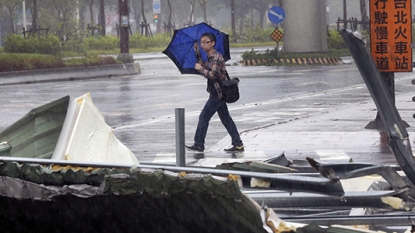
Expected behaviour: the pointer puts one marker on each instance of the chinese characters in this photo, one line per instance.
(391, 35)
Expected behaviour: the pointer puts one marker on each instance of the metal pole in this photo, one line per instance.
(392, 121)
(180, 150)
(278, 50)
(24, 15)
(344, 14)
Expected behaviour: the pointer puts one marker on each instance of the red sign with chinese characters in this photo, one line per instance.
(391, 35)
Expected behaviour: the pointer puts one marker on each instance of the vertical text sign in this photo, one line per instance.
(391, 35)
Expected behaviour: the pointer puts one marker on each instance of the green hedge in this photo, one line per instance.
(102, 43)
(135, 41)
(18, 61)
(76, 46)
(157, 41)
(335, 40)
(91, 61)
(42, 45)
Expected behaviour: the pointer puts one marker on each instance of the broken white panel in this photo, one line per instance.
(92, 140)
(67, 128)
(359, 184)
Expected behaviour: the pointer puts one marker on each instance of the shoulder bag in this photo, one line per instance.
(230, 89)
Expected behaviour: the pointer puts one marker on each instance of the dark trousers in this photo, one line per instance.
(212, 106)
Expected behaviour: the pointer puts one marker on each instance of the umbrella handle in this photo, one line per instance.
(197, 51)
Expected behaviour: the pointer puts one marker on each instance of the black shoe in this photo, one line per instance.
(195, 148)
(235, 149)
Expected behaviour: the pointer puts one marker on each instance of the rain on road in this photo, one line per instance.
(141, 108)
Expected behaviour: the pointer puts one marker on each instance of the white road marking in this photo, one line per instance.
(332, 155)
(165, 158)
(213, 161)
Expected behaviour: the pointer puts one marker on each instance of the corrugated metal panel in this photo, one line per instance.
(133, 200)
(35, 135)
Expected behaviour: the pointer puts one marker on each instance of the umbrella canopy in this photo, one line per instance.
(182, 53)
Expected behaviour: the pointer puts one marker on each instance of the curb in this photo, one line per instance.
(294, 61)
(65, 74)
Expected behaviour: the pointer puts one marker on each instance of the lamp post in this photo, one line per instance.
(24, 15)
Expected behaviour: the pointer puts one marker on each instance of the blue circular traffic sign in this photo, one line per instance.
(156, 6)
(276, 14)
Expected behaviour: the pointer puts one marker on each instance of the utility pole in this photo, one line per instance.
(124, 22)
(102, 17)
(34, 15)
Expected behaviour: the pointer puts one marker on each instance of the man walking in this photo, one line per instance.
(214, 71)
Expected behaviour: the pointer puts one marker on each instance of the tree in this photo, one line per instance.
(147, 32)
(169, 22)
(262, 7)
(102, 17)
(192, 11)
(91, 14)
(58, 16)
(238, 11)
(34, 12)
(82, 5)
(135, 4)
(365, 17)
(177, 11)
(10, 7)
(203, 6)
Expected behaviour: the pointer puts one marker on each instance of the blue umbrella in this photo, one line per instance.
(181, 48)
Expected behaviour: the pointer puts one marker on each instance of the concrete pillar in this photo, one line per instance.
(305, 27)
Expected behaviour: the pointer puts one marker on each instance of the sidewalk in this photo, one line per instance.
(338, 135)
(67, 74)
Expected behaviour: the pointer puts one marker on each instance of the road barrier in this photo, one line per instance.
(294, 61)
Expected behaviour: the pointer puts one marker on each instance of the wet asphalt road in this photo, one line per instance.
(141, 108)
